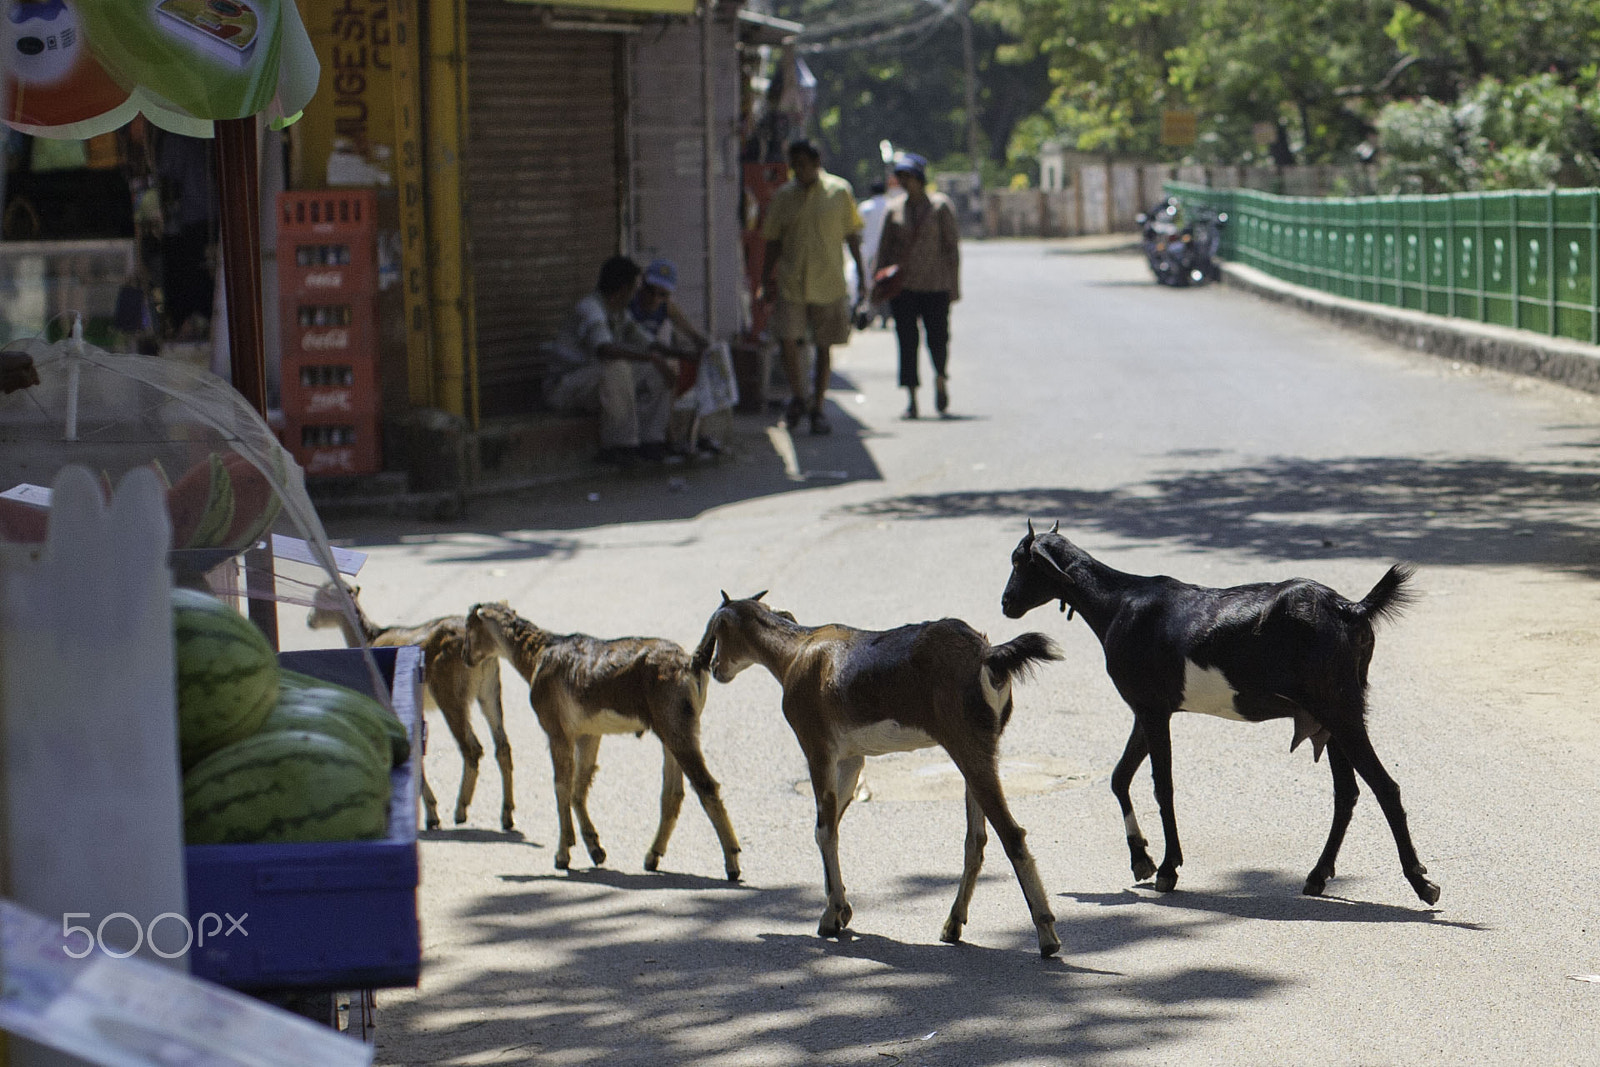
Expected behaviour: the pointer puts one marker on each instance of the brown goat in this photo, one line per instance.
(583, 688)
(452, 684)
(849, 694)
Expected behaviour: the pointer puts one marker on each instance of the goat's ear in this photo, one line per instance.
(1049, 563)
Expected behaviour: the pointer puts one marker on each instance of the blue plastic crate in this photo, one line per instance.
(327, 915)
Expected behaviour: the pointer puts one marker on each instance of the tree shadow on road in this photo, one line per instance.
(1424, 511)
(585, 971)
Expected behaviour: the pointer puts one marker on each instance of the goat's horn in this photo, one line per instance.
(1055, 527)
(759, 595)
(725, 596)
(1030, 526)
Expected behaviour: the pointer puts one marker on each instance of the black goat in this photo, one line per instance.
(1293, 649)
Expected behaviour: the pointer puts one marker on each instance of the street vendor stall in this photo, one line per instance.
(139, 498)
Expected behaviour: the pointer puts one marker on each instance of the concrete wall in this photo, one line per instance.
(1104, 197)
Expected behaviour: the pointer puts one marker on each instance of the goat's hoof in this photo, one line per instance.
(1426, 890)
(597, 855)
(461, 817)
(733, 874)
(1144, 869)
(431, 823)
(1049, 943)
(951, 934)
(506, 823)
(1314, 887)
(563, 863)
(1166, 881)
(652, 861)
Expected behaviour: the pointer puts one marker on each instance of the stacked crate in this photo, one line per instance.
(328, 286)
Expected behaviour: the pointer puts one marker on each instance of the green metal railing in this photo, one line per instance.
(1530, 261)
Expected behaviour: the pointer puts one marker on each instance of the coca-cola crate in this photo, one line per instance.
(334, 447)
(327, 243)
(329, 387)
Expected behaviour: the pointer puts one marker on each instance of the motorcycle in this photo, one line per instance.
(1181, 251)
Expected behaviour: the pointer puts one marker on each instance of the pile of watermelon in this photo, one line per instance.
(270, 755)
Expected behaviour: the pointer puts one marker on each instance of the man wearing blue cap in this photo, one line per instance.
(922, 237)
(808, 224)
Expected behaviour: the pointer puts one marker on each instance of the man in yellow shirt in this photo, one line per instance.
(809, 222)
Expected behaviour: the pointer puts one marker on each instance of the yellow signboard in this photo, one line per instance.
(348, 133)
(648, 7)
(1178, 127)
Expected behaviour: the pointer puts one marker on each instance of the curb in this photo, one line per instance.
(1570, 363)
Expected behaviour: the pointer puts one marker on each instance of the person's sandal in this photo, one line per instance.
(795, 411)
(819, 424)
(911, 408)
(941, 395)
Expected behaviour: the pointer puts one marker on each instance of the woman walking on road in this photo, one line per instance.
(922, 238)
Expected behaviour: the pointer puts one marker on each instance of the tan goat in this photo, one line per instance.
(452, 684)
(849, 694)
(583, 688)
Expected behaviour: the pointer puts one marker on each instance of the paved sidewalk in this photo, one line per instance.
(1555, 359)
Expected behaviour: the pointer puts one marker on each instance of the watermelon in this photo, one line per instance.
(201, 504)
(227, 675)
(288, 786)
(255, 503)
(387, 732)
(306, 710)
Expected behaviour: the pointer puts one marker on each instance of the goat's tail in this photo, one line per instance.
(1390, 596)
(1018, 656)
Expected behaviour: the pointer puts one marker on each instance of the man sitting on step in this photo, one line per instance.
(604, 362)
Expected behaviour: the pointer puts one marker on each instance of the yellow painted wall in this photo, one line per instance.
(353, 111)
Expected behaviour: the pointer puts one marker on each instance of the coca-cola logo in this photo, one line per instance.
(327, 460)
(322, 342)
(333, 400)
(325, 279)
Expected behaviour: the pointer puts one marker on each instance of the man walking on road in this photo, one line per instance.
(808, 222)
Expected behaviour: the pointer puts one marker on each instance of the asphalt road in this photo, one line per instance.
(1204, 434)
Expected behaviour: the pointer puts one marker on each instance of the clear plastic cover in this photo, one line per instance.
(242, 522)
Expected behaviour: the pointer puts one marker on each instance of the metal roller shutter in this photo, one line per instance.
(542, 184)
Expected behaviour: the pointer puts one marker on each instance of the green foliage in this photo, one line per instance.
(1457, 94)
(1531, 133)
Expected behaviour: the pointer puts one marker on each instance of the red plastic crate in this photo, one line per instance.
(327, 242)
(318, 388)
(334, 447)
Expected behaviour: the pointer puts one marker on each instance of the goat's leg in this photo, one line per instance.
(1157, 729)
(1345, 793)
(494, 714)
(977, 837)
(824, 785)
(1358, 747)
(564, 767)
(454, 707)
(680, 736)
(671, 804)
(588, 756)
(430, 806)
(983, 783)
(1144, 868)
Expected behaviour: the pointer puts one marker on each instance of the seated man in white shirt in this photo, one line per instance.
(605, 362)
(707, 389)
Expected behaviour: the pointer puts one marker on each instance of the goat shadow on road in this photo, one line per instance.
(1421, 510)
(1267, 896)
(707, 973)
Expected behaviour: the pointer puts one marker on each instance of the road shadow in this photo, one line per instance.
(739, 977)
(764, 459)
(1268, 896)
(1423, 511)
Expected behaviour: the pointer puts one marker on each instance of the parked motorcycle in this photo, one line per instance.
(1181, 246)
